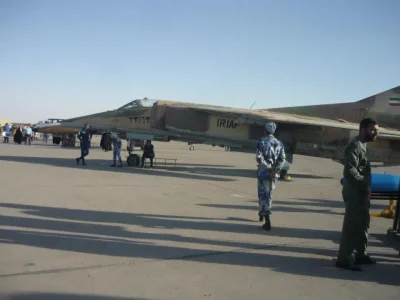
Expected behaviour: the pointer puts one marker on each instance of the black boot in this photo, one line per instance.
(114, 164)
(83, 162)
(365, 260)
(120, 163)
(267, 225)
(261, 216)
(78, 160)
(346, 266)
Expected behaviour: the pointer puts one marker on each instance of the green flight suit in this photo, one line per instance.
(357, 173)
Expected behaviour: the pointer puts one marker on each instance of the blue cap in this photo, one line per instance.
(270, 127)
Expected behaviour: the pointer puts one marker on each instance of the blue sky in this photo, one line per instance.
(69, 58)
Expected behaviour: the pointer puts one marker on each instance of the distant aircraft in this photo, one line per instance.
(52, 125)
(60, 134)
(240, 129)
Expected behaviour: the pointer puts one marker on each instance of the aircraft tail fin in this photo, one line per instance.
(384, 107)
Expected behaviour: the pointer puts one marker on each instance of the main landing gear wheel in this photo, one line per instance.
(133, 160)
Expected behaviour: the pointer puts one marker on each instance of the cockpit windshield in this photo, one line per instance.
(139, 103)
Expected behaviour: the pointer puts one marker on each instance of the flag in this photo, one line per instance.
(394, 101)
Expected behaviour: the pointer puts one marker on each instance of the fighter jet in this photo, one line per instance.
(383, 107)
(240, 129)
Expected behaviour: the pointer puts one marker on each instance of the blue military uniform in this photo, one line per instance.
(117, 143)
(270, 158)
(84, 137)
(7, 130)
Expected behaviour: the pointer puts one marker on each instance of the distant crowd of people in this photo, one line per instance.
(21, 134)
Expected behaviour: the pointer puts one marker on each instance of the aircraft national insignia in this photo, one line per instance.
(394, 101)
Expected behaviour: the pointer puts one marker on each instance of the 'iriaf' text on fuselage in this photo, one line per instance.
(223, 123)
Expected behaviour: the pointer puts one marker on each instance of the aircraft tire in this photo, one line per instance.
(133, 160)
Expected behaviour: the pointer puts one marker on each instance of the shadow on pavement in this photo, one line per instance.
(116, 240)
(141, 220)
(287, 207)
(389, 241)
(63, 296)
(323, 203)
(234, 172)
(103, 165)
(192, 171)
(336, 203)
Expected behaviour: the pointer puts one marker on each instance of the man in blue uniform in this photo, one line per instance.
(271, 159)
(117, 143)
(7, 130)
(84, 137)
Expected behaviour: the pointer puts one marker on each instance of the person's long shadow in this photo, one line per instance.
(390, 241)
(335, 203)
(323, 203)
(54, 146)
(63, 296)
(191, 171)
(291, 264)
(282, 208)
(142, 220)
(235, 172)
(115, 240)
(103, 165)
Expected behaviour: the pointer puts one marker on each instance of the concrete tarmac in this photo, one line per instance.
(184, 232)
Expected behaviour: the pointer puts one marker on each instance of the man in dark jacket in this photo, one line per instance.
(106, 141)
(84, 138)
(148, 152)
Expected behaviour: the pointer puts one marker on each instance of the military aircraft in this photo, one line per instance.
(60, 134)
(240, 129)
(48, 126)
(383, 107)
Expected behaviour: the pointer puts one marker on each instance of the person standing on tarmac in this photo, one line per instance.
(7, 131)
(117, 143)
(270, 158)
(84, 137)
(148, 152)
(356, 194)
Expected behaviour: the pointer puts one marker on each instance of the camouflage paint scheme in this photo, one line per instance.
(238, 128)
(379, 107)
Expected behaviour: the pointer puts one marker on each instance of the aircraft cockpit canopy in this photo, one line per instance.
(139, 103)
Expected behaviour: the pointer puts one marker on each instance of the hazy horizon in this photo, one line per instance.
(67, 59)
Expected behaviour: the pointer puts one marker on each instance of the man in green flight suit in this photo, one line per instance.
(356, 195)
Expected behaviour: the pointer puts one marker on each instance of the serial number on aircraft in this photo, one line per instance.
(225, 123)
(139, 120)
